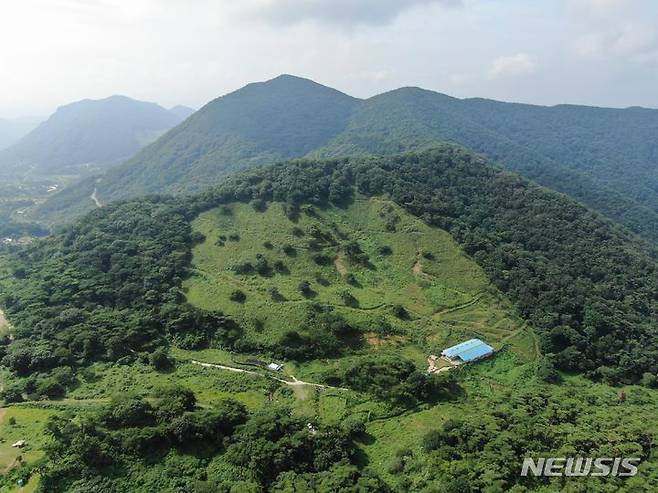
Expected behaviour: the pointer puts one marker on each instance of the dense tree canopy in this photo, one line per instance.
(109, 286)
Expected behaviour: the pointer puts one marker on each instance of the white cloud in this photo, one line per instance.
(597, 7)
(633, 41)
(519, 65)
(344, 13)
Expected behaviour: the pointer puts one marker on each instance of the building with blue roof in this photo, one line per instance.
(468, 351)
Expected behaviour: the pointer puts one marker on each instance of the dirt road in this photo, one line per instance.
(293, 383)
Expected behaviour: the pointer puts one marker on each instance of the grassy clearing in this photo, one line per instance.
(446, 295)
(22, 423)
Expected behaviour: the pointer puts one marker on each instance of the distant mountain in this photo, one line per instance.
(182, 112)
(605, 158)
(12, 130)
(263, 122)
(87, 135)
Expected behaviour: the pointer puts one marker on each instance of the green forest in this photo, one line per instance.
(114, 317)
(602, 157)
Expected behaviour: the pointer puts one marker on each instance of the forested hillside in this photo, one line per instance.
(588, 287)
(605, 158)
(264, 122)
(86, 136)
(126, 311)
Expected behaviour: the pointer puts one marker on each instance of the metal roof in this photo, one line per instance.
(469, 350)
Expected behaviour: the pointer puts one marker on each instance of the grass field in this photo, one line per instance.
(446, 294)
(22, 423)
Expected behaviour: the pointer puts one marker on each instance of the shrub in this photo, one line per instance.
(348, 298)
(280, 267)
(432, 440)
(306, 290)
(259, 205)
(238, 296)
(289, 250)
(12, 393)
(262, 266)
(243, 268)
(353, 425)
(385, 250)
(160, 360)
(400, 312)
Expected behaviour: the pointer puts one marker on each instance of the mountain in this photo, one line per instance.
(87, 135)
(262, 122)
(12, 130)
(152, 324)
(605, 158)
(182, 112)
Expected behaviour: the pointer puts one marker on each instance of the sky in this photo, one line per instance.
(594, 52)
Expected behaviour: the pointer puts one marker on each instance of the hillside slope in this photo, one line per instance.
(263, 122)
(605, 158)
(12, 130)
(348, 272)
(411, 288)
(87, 136)
(588, 287)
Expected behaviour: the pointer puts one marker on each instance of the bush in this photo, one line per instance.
(238, 296)
(275, 294)
(353, 425)
(547, 372)
(160, 360)
(280, 267)
(385, 250)
(50, 387)
(12, 393)
(306, 290)
(262, 266)
(400, 312)
(289, 250)
(433, 440)
(259, 205)
(348, 299)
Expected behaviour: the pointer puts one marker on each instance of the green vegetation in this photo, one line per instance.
(444, 299)
(601, 157)
(130, 328)
(85, 137)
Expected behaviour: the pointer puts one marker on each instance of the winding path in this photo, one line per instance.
(94, 197)
(294, 382)
(3, 321)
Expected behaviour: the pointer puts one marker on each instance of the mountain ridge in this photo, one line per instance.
(90, 133)
(573, 149)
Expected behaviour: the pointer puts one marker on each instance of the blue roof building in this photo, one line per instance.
(465, 352)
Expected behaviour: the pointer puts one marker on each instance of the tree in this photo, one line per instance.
(160, 360)
(306, 290)
(238, 296)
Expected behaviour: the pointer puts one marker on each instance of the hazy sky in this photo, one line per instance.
(600, 52)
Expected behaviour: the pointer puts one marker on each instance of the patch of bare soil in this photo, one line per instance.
(340, 266)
